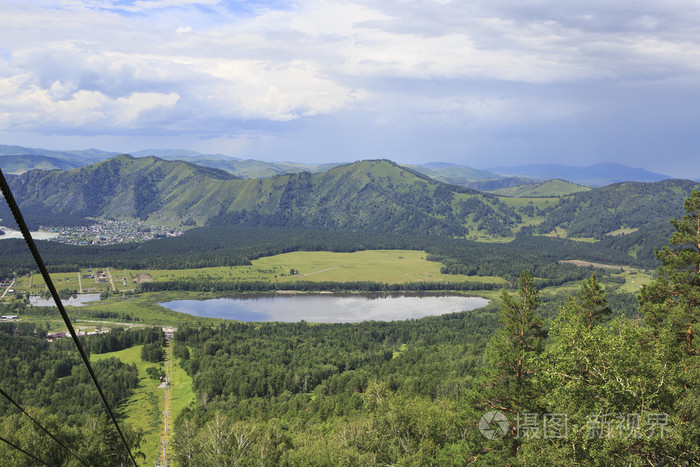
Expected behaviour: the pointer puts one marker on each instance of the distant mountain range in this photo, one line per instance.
(80, 157)
(595, 175)
(374, 195)
(17, 159)
(368, 195)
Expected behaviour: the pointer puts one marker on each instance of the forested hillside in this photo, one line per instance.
(367, 196)
(50, 380)
(596, 213)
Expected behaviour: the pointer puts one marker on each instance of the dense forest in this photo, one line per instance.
(238, 245)
(49, 380)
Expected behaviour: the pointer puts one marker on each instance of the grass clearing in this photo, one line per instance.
(623, 231)
(634, 280)
(389, 266)
(181, 387)
(143, 409)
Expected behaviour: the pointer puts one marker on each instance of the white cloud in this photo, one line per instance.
(26, 105)
(209, 67)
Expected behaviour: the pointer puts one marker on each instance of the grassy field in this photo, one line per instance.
(144, 408)
(634, 280)
(390, 266)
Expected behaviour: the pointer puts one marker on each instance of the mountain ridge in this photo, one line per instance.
(374, 195)
(370, 195)
(596, 175)
(448, 172)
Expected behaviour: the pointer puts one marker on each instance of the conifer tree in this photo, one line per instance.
(592, 302)
(507, 384)
(671, 307)
(672, 302)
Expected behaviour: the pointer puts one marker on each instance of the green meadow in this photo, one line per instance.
(143, 410)
(388, 266)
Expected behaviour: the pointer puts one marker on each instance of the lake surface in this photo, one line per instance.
(326, 308)
(78, 300)
(40, 235)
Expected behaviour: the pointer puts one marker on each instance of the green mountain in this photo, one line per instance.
(250, 168)
(498, 183)
(549, 188)
(368, 195)
(376, 195)
(121, 187)
(618, 208)
(23, 163)
(452, 173)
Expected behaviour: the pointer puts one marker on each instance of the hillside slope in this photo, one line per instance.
(121, 187)
(367, 195)
(633, 205)
(375, 195)
(554, 187)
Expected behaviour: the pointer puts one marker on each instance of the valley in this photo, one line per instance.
(406, 392)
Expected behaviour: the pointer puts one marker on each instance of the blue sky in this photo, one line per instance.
(481, 83)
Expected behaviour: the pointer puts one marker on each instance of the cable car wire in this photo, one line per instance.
(6, 396)
(25, 452)
(10, 200)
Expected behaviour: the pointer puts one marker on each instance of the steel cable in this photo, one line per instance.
(9, 199)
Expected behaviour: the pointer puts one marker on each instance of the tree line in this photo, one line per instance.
(50, 381)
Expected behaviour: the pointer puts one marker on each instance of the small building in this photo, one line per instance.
(9, 318)
(55, 335)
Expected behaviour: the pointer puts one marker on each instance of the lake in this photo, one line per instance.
(320, 308)
(40, 235)
(78, 300)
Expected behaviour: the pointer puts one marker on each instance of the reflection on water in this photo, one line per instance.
(326, 308)
(12, 233)
(78, 300)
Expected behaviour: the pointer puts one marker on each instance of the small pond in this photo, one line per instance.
(320, 308)
(78, 300)
(12, 233)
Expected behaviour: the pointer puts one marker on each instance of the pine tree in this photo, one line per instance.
(671, 307)
(672, 301)
(592, 302)
(507, 385)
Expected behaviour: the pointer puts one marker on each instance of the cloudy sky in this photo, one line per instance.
(481, 82)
